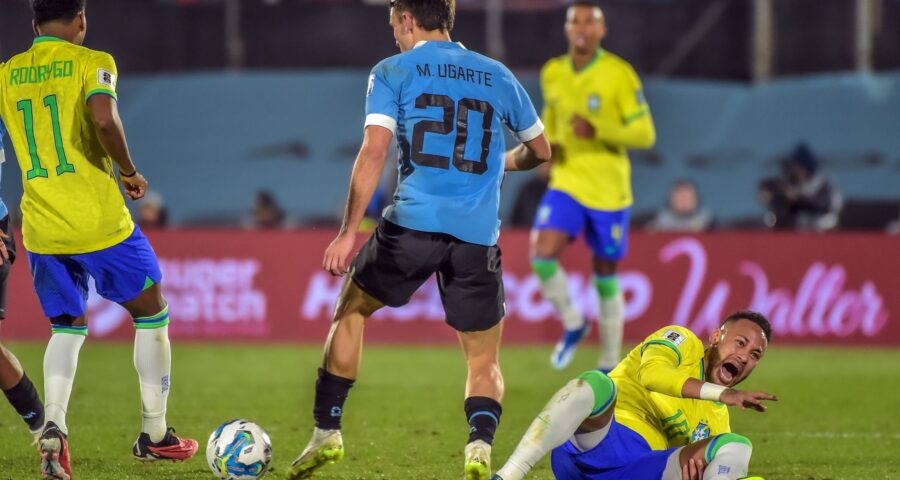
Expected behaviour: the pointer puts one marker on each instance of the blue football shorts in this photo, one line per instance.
(606, 232)
(622, 455)
(120, 274)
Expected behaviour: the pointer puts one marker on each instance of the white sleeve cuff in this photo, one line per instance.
(382, 121)
(531, 132)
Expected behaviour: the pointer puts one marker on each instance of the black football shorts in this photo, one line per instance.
(396, 261)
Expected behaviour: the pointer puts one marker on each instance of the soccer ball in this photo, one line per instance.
(239, 450)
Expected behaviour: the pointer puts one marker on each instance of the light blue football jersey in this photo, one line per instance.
(447, 106)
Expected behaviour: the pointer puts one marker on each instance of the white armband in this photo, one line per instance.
(711, 391)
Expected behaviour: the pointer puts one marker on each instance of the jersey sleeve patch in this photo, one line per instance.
(106, 78)
(674, 336)
(371, 86)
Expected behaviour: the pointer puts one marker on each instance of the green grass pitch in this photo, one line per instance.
(837, 418)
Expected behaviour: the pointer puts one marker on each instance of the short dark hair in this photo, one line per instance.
(755, 317)
(585, 3)
(429, 14)
(50, 10)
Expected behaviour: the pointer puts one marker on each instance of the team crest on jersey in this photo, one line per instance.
(594, 102)
(700, 433)
(105, 77)
(674, 337)
(371, 86)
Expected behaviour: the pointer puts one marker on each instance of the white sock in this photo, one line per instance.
(612, 327)
(556, 424)
(153, 362)
(556, 290)
(60, 364)
(731, 462)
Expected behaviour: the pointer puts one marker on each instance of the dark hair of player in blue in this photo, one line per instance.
(429, 14)
(755, 317)
(50, 10)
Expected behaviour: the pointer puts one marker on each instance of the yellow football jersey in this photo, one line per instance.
(667, 421)
(72, 202)
(596, 172)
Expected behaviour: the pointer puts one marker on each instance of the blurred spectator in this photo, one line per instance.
(266, 213)
(529, 197)
(894, 226)
(803, 197)
(684, 212)
(152, 214)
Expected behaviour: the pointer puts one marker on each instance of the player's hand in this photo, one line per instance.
(4, 255)
(582, 127)
(135, 186)
(693, 470)
(337, 255)
(745, 400)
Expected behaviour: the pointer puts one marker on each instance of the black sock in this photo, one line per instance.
(24, 398)
(331, 393)
(483, 414)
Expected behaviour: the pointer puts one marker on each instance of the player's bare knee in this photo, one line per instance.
(148, 303)
(354, 301)
(604, 267)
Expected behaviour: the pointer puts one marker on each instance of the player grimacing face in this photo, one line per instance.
(585, 28)
(736, 349)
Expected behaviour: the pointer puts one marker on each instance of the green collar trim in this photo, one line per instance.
(46, 38)
(597, 56)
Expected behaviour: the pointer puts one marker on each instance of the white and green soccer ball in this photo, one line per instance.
(239, 450)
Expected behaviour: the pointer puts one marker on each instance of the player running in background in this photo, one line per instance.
(15, 384)
(594, 111)
(447, 106)
(58, 101)
(661, 414)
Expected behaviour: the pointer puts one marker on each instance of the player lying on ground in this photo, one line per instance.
(58, 102)
(661, 414)
(447, 107)
(15, 384)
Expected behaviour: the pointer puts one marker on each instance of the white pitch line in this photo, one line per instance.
(874, 435)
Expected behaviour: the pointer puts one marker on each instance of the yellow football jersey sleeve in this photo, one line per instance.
(666, 420)
(72, 202)
(608, 94)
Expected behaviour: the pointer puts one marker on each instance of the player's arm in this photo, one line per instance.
(99, 89)
(365, 177)
(634, 128)
(521, 117)
(528, 155)
(363, 182)
(659, 373)
(382, 112)
(105, 116)
(638, 133)
(108, 125)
